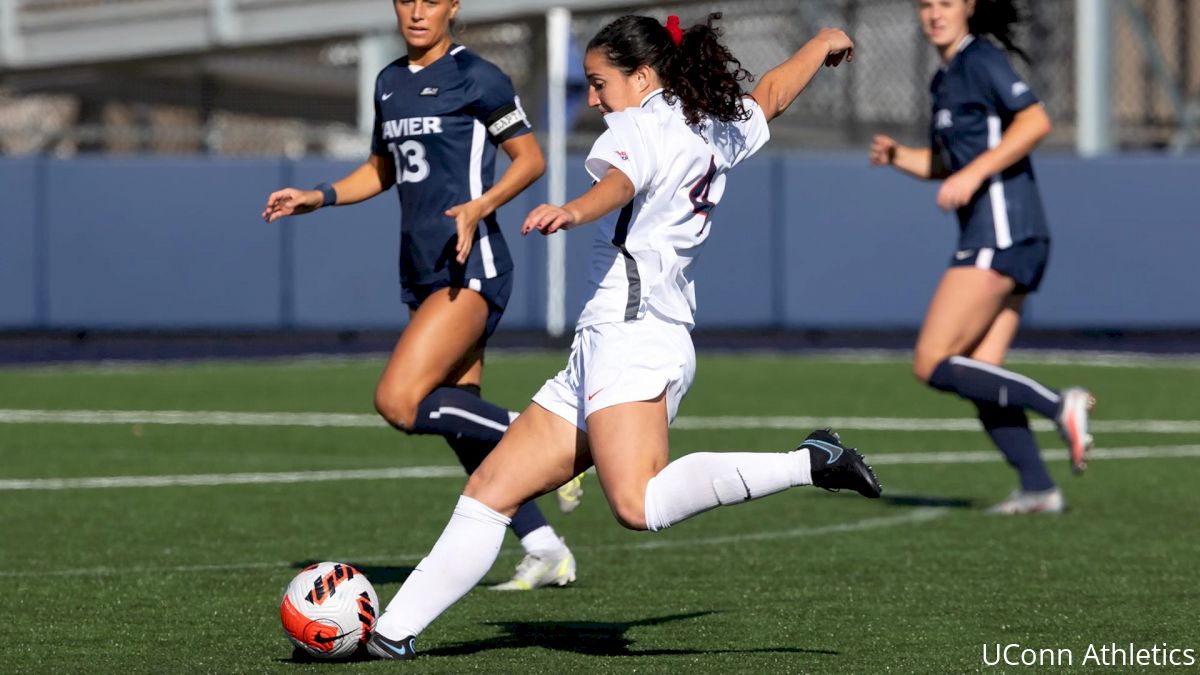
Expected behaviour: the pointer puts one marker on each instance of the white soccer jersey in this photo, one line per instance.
(642, 256)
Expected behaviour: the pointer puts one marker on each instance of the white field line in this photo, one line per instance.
(921, 424)
(1048, 357)
(1053, 357)
(210, 480)
(920, 515)
(1142, 452)
(189, 417)
(358, 420)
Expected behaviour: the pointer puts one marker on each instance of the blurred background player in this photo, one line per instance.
(986, 121)
(677, 123)
(440, 112)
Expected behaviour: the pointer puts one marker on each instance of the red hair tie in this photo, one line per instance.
(673, 28)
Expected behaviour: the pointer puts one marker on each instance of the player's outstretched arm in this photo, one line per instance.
(377, 174)
(609, 194)
(527, 166)
(920, 163)
(783, 83)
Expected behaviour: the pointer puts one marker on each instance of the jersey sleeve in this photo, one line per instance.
(747, 136)
(499, 107)
(378, 146)
(1006, 90)
(627, 146)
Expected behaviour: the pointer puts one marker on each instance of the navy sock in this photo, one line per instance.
(984, 383)
(459, 411)
(1009, 429)
(527, 519)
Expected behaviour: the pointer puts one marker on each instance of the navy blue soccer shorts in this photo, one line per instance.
(495, 290)
(1023, 262)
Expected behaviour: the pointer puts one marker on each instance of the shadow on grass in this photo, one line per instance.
(301, 656)
(928, 500)
(593, 638)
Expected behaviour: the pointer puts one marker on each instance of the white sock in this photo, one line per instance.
(701, 481)
(542, 540)
(462, 555)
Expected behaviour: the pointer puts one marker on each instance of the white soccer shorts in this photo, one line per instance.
(614, 363)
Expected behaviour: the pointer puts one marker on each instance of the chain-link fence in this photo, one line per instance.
(301, 98)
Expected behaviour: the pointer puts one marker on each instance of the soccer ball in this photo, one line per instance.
(329, 610)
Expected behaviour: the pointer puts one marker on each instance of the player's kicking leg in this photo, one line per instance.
(645, 492)
(540, 452)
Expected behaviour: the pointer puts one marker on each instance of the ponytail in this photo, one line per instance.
(693, 65)
(706, 77)
(998, 18)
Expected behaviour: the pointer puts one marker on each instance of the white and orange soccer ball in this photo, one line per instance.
(329, 609)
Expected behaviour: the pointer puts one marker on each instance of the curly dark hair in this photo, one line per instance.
(998, 18)
(700, 72)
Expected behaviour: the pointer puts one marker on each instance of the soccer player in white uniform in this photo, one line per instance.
(678, 121)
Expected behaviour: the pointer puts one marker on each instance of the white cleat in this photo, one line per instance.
(537, 570)
(570, 494)
(1072, 421)
(1021, 502)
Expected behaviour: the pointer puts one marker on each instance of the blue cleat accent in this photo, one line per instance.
(392, 650)
(836, 467)
(835, 451)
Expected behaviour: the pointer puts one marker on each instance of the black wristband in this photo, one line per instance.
(328, 194)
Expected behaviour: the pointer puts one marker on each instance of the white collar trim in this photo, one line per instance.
(651, 95)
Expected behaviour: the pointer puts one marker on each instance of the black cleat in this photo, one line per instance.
(836, 467)
(392, 650)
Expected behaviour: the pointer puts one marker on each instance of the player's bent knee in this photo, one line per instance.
(921, 371)
(396, 409)
(924, 363)
(630, 513)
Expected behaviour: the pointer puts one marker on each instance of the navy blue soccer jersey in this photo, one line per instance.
(975, 98)
(441, 125)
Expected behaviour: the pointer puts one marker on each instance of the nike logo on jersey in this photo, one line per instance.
(429, 91)
(1019, 88)
(593, 395)
(386, 96)
(964, 254)
(412, 126)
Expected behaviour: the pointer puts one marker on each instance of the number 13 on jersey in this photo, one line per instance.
(411, 166)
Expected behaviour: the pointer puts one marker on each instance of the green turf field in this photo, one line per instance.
(179, 578)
